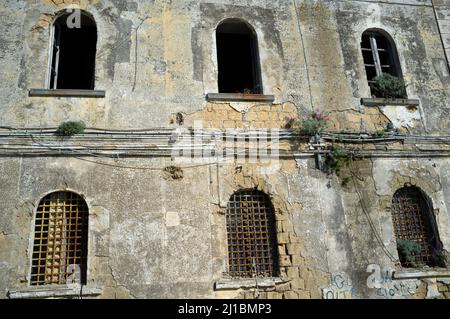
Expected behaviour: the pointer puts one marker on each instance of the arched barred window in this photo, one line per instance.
(60, 240)
(238, 58)
(415, 228)
(252, 246)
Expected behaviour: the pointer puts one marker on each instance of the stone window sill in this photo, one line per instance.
(55, 292)
(239, 97)
(383, 101)
(66, 93)
(232, 283)
(421, 273)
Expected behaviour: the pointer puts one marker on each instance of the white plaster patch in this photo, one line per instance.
(401, 116)
(100, 219)
(172, 219)
(432, 290)
(382, 175)
(241, 107)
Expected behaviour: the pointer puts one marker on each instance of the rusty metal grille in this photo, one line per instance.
(411, 219)
(251, 235)
(60, 240)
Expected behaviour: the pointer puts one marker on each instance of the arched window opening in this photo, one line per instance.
(380, 56)
(60, 240)
(416, 229)
(73, 52)
(238, 58)
(252, 247)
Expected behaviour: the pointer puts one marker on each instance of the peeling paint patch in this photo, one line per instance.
(402, 116)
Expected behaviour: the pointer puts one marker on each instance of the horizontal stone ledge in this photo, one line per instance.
(66, 93)
(240, 97)
(417, 274)
(383, 101)
(55, 292)
(225, 284)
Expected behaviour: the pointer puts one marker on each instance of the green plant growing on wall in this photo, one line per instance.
(337, 158)
(441, 258)
(408, 250)
(389, 87)
(314, 124)
(71, 128)
(379, 134)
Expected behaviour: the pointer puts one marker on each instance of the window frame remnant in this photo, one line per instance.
(85, 63)
(251, 235)
(376, 42)
(413, 220)
(228, 73)
(60, 243)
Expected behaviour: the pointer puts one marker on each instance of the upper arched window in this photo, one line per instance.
(73, 52)
(415, 229)
(251, 235)
(238, 58)
(380, 55)
(60, 240)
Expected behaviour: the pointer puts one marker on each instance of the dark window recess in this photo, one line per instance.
(413, 219)
(252, 248)
(380, 55)
(73, 55)
(238, 58)
(60, 240)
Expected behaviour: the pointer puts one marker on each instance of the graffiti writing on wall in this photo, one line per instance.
(341, 287)
(378, 279)
(381, 280)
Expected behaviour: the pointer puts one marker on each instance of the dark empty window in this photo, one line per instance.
(415, 225)
(60, 240)
(380, 55)
(251, 235)
(238, 58)
(73, 53)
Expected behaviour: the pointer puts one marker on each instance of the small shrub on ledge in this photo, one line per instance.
(389, 87)
(71, 128)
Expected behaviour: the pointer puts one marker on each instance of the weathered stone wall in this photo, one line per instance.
(309, 52)
(368, 200)
(442, 9)
(150, 237)
(153, 237)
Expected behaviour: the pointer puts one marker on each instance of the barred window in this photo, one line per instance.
(251, 235)
(380, 55)
(60, 240)
(415, 225)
